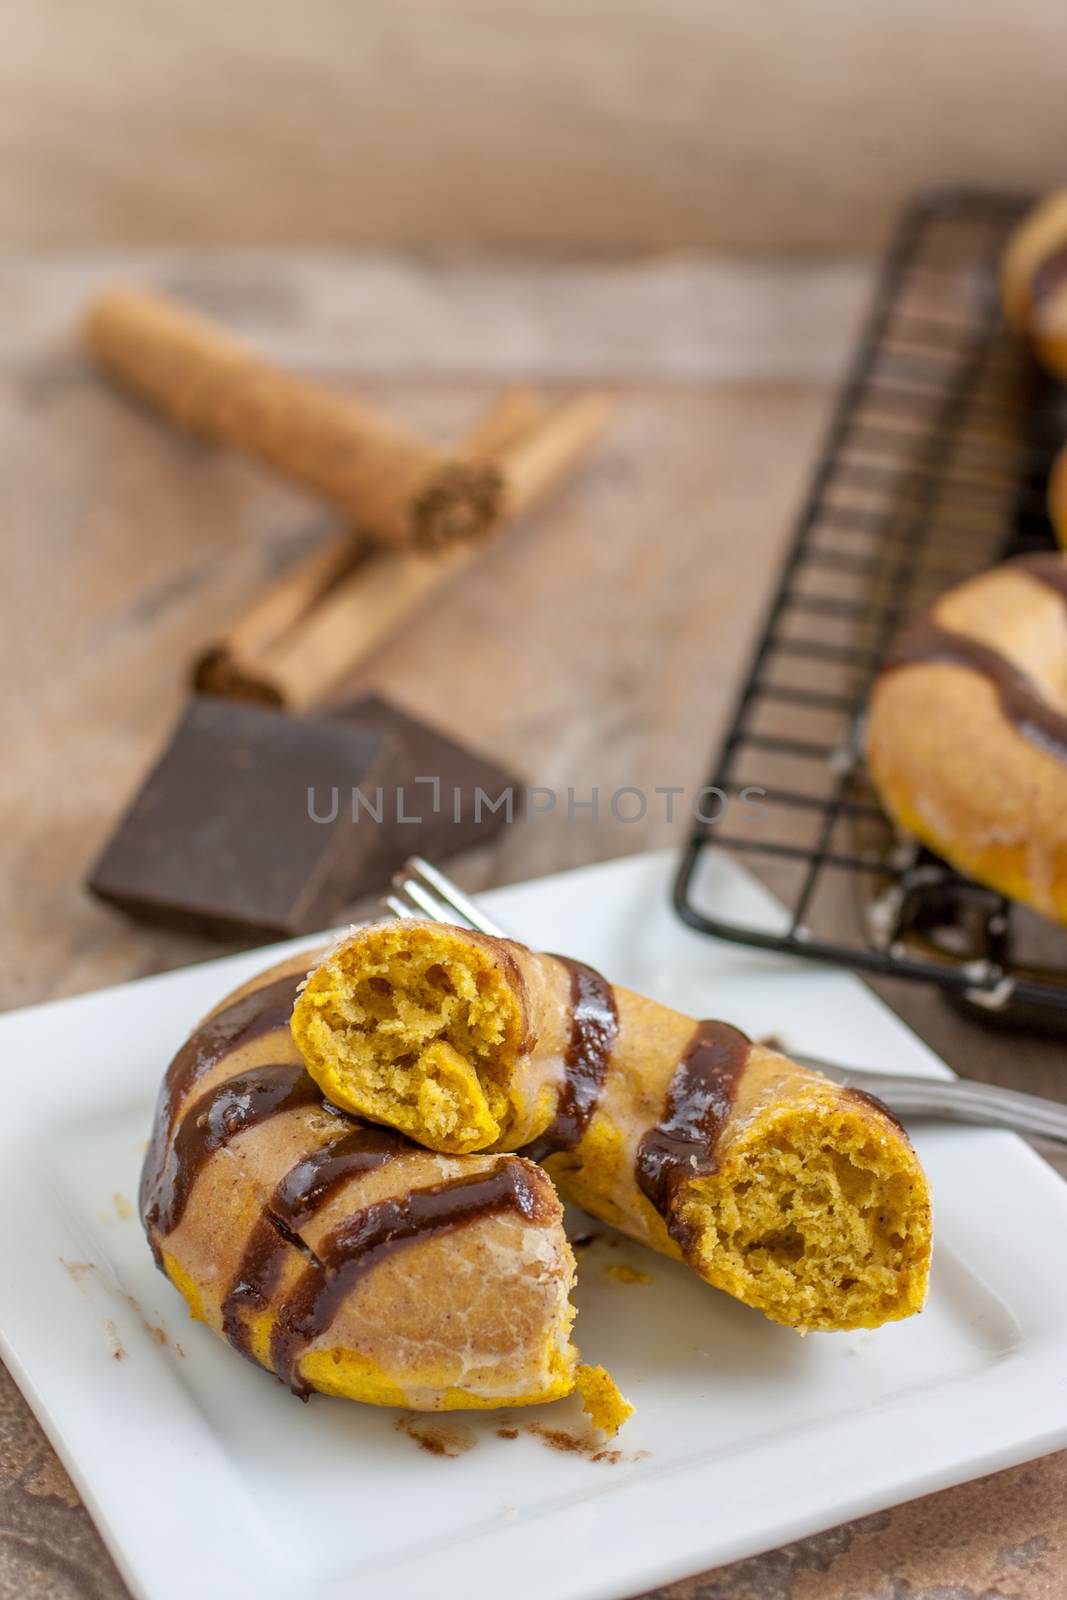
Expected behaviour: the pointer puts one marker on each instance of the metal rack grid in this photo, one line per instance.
(933, 467)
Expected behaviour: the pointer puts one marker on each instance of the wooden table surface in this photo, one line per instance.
(611, 634)
(529, 125)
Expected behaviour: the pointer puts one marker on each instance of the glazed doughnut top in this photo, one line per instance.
(337, 1254)
(967, 730)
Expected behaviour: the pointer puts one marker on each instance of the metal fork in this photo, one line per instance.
(422, 890)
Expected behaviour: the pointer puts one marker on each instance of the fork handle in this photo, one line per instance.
(964, 1100)
(430, 893)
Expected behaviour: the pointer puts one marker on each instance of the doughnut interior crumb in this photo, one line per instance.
(413, 1026)
(601, 1401)
(819, 1218)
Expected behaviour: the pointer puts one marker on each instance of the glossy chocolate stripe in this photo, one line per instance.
(1049, 276)
(377, 1232)
(1049, 569)
(253, 1015)
(699, 1099)
(231, 1108)
(1021, 700)
(594, 1028)
(304, 1190)
(861, 1097)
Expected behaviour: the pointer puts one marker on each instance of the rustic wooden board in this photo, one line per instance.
(599, 645)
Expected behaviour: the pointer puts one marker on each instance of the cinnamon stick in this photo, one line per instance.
(294, 594)
(281, 606)
(535, 463)
(397, 489)
(361, 610)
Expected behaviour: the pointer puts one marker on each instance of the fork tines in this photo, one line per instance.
(422, 890)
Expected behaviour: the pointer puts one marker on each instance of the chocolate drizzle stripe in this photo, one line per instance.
(253, 1015)
(1021, 700)
(231, 1108)
(594, 1029)
(1047, 568)
(861, 1097)
(379, 1231)
(304, 1190)
(505, 949)
(1049, 275)
(699, 1100)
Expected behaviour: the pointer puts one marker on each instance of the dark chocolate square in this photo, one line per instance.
(221, 838)
(255, 824)
(466, 787)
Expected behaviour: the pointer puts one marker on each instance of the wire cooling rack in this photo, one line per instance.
(934, 467)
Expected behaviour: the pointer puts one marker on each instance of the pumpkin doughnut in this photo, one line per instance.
(967, 730)
(792, 1194)
(339, 1255)
(1057, 495)
(1034, 281)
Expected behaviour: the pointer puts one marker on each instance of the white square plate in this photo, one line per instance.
(206, 1478)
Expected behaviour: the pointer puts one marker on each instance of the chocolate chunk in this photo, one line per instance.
(465, 802)
(254, 823)
(220, 839)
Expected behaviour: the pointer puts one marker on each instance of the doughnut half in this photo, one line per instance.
(799, 1197)
(338, 1255)
(967, 730)
(1057, 495)
(1034, 281)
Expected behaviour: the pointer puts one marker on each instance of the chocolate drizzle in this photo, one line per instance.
(248, 1018)
(376, 1232)
(1046, 567)
(178, 1154)
(699, 1099)
(305, 1189)
(864, 1099)
(594, 1028)
(1021, 700)
(1049, 276)
(231, 1108)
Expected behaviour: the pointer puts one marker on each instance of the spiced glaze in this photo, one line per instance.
(378, 1231)
(304, 1190)
(1020, 699)
(231, 1108)
(253, 1015)
(700, 1097)
(594, 1029)
(181, 1147)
